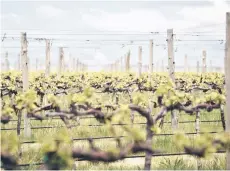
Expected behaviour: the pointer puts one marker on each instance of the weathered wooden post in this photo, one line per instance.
(121, 62)
(171, 67)
(227, 79)
(27, 128)
(61, 60)
(139, 61)
(185, 63)
(171, 63)
(19, 62)
(47, 70)
(197, 67)
(36, 64)
(127, 63)
(150, 56)
(74, 65)
(7, 62)
(204, 67)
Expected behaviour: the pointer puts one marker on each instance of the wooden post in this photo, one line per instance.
(47, 70)
(77, 65)
(225, 59)
(150, 56)
(139, 60)
(204, 67)
(117, 65)
(61, 60)
(171, 63)
(27, 128)
(7, 62)
(227, 78)
(197, 67)
(127, 64)
(36, 67)
(25, 61)
(74, 65)
(185, 63)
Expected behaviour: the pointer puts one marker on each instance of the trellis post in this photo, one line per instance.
(47, 69)
(204, 67)
(27, 127)
(150, 56)
(139, 61)
(227, 79)
(61, 60)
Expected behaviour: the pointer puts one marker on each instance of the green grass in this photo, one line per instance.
(31, 152)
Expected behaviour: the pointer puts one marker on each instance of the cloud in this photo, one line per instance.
(11, 18)
(49, 11)
(133, 20)
(138, 20)
(147, 20)
(207, 15)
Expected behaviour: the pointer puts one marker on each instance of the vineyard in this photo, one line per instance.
(125, 114)
(85, 120)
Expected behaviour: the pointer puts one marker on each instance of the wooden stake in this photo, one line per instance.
(77, 65)
(171, 63)
(27, 128)
(225, 59)
(74, 65)
(227, 79)
(185, 63)
(128, 62)
(197, 67)
(140, 61)
(61, 60)
(7, 62)
(204, 67)
(151, 56)
(47, 70)
(36, 64)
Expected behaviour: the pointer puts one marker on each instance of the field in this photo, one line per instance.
(108, 106)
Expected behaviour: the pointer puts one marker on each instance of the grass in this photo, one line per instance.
(31, 152)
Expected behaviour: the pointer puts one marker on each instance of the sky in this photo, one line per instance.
(100, 32)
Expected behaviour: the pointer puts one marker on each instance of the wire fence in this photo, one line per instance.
(113, 137)
(99, 125)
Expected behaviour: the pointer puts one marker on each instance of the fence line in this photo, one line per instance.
(98, 125)
(113, 137)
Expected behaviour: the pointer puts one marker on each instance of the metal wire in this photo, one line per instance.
(113, 137)
(98, 125)
(127, 157)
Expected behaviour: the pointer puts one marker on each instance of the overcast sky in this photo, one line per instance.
(116, 27)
